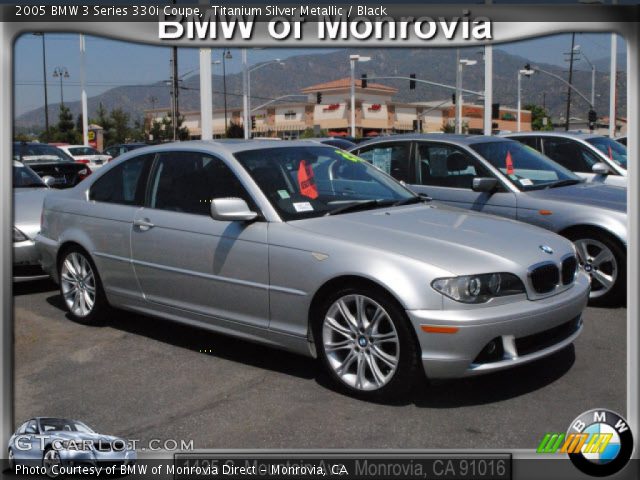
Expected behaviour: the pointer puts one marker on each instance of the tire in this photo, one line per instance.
(81, 288)
(50, 458)
(374, 358)
(605, 260)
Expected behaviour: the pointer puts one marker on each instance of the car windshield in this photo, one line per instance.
(63, 425)
(525, 167)
(39, 152)
(304, 182)
(612, 149)
(83, 151)
(24, 177)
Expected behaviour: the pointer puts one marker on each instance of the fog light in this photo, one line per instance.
(492, 352)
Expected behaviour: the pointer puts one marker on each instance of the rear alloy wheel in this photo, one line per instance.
(604, 261)
(365, 343)
(81, 288)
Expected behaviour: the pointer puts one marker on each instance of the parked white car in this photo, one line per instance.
(87, 155)
(590, 156)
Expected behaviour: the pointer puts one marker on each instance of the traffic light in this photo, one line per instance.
(453, 98)
(318, 98)
(253, 122)
(364, 80)
(527, 66)
(412, 82)
(495, 111)
(593, 116)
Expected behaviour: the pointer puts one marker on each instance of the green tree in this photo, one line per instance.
(66, 131)
(104, 120)
(119, 126)
(310, 133)
(538, 115)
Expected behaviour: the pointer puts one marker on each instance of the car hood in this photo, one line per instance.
(588, 193)
(455, 240)
(27, 207)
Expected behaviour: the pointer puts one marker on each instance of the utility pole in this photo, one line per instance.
(174, 89)
(612, 82)
(246, 122)
(573, 41)
(44, 77)
(488, 85)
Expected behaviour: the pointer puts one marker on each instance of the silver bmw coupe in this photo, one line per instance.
(308, 248)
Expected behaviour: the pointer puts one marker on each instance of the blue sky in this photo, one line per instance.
(111, 63)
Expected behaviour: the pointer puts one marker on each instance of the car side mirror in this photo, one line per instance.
(485, 184)
(48, 181)
(231, 210)
(601, 168)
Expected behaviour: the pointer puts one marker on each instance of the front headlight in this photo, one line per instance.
(479, 288)
(18, 236)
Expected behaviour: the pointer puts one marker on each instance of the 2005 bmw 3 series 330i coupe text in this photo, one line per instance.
(308, 248)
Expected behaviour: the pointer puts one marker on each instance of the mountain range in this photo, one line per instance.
(301, 71)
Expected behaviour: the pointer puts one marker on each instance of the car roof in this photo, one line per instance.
(232, 146)
(582, 135)
(77, 146)
(436, 137)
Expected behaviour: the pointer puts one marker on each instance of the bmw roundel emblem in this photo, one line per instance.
(609, 445)
(546, 249)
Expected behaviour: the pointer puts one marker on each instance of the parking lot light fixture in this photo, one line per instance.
(527, 72)
(462, 62)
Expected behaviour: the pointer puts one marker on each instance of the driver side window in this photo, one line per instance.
(442, 165)
(570, 154)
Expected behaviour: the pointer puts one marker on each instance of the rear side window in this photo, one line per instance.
(123, 184)
(570, 154)
(529, 141)
(392, 158)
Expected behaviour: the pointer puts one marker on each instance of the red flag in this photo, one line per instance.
(509, 162)
(306, 180)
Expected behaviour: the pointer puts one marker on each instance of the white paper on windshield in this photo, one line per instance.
(303, 207)
(526, 182)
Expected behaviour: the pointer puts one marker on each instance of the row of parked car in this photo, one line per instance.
(407, 251)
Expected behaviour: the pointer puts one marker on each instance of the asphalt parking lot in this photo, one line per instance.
(144, 378)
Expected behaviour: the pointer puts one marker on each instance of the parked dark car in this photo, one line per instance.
(49, 161)
(119, 149)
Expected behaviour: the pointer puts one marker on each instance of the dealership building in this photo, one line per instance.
(328, 107)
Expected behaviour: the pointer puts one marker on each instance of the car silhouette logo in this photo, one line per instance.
(546, 249)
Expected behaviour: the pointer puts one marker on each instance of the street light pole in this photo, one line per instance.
(257, 67)
(245, 96)
(44, 77)
(226, 54)
(353, 59)
(461, 63)
(83, 94)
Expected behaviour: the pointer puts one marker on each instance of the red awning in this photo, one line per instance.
(333, 133)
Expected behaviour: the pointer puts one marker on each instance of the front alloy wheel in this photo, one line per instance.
(365, 343)
(51, 459)
(360, 342)
(600, 263)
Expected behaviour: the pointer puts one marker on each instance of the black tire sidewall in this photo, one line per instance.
(406, 369)
(98, 313)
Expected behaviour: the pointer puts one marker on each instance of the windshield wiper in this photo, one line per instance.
(411, 200)
(357, 205)
(565, 183)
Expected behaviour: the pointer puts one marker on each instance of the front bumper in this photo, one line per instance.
(539, 328)
(26, 262)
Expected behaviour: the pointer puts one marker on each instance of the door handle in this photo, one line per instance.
(143, 224)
